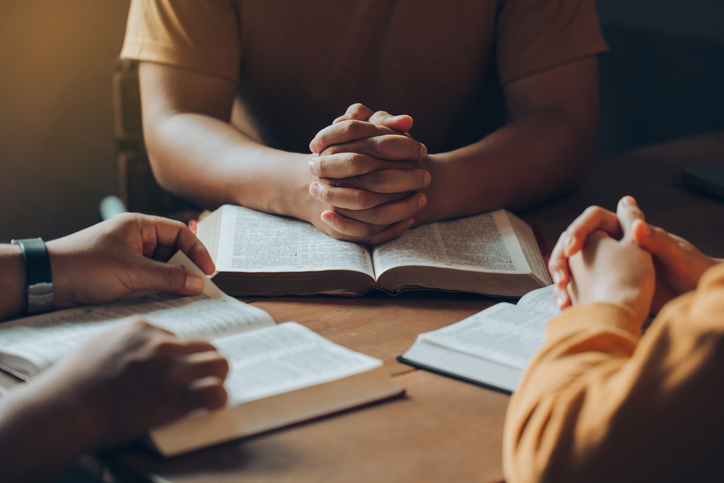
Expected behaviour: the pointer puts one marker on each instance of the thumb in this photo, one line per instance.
(654, 240)
(628, 212)
(207, 392)
(158, 276)
(401, 123)
(357, 111)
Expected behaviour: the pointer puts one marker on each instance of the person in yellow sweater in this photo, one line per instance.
(600, 402)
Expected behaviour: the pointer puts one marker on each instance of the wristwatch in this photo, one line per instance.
(38, 275)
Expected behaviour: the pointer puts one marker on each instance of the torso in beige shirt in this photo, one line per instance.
(299, 65)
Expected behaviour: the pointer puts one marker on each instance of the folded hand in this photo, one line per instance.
(679, 265)
(368, 172)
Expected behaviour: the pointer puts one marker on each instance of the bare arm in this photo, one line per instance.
(546, 148)
(12, 281)
(195, 152)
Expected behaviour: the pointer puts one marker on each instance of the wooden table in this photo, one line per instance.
(443, 430)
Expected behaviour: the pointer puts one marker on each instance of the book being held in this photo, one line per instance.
(279, 374)
(261, 254)
(491, 348)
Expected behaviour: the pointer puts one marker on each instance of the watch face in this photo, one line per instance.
(38, 274)
(40, 297)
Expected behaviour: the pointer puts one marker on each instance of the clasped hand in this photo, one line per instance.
(618, 257)
(369, 171)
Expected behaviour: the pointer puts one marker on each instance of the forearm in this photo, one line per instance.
(213, 163)
(526, 161)
(584, 349)
(12, 282)
(40, 434)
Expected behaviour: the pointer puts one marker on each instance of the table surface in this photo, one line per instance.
(443, 429)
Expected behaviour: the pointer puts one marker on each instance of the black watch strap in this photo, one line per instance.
(38, 274)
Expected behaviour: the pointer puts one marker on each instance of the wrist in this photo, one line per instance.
(297, 202)
(437, 207)
(12, 282)
(281, 187)
(39, 288)
(60, 263)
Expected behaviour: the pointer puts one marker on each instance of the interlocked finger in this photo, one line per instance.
(346, 131)
(384, 181)
(348, 165)
(353, 199)
(393, 147)
(387, 213)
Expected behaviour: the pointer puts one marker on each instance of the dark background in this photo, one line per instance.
(664, 75)
(663, 79)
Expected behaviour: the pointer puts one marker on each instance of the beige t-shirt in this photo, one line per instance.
(300, 64)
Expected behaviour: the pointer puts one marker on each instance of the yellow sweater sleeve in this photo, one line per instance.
(601, 403)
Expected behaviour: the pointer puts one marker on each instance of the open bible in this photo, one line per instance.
(261, 254)
(491, 348)
(279, 374)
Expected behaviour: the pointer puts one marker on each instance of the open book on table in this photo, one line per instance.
(491, 348)
(279, 374)
(261, 254)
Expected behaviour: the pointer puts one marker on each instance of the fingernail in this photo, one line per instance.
(326, 216)
(426, 178)
(314, 189)
(422, 200)
(194, 283)
(557, 277)
(310, 166)
(628, 201)
(560, 299)
(423, 150)
(409, 222)
(568, 243)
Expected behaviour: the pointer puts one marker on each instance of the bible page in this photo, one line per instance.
(504, 334)
(283, 358)
(484, 243)
(46, 338)
(540, 300)
(252, 241)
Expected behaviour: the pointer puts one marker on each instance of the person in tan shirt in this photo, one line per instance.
(600, 402)
(294, 67)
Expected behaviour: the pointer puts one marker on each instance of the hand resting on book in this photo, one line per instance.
(124, 254)
(112, 389)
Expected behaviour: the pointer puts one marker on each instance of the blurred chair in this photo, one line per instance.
(138, 189)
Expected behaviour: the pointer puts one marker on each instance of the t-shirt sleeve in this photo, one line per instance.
(534, 35)
(199, 35)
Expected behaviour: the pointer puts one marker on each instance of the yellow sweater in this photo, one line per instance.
(601, 403)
